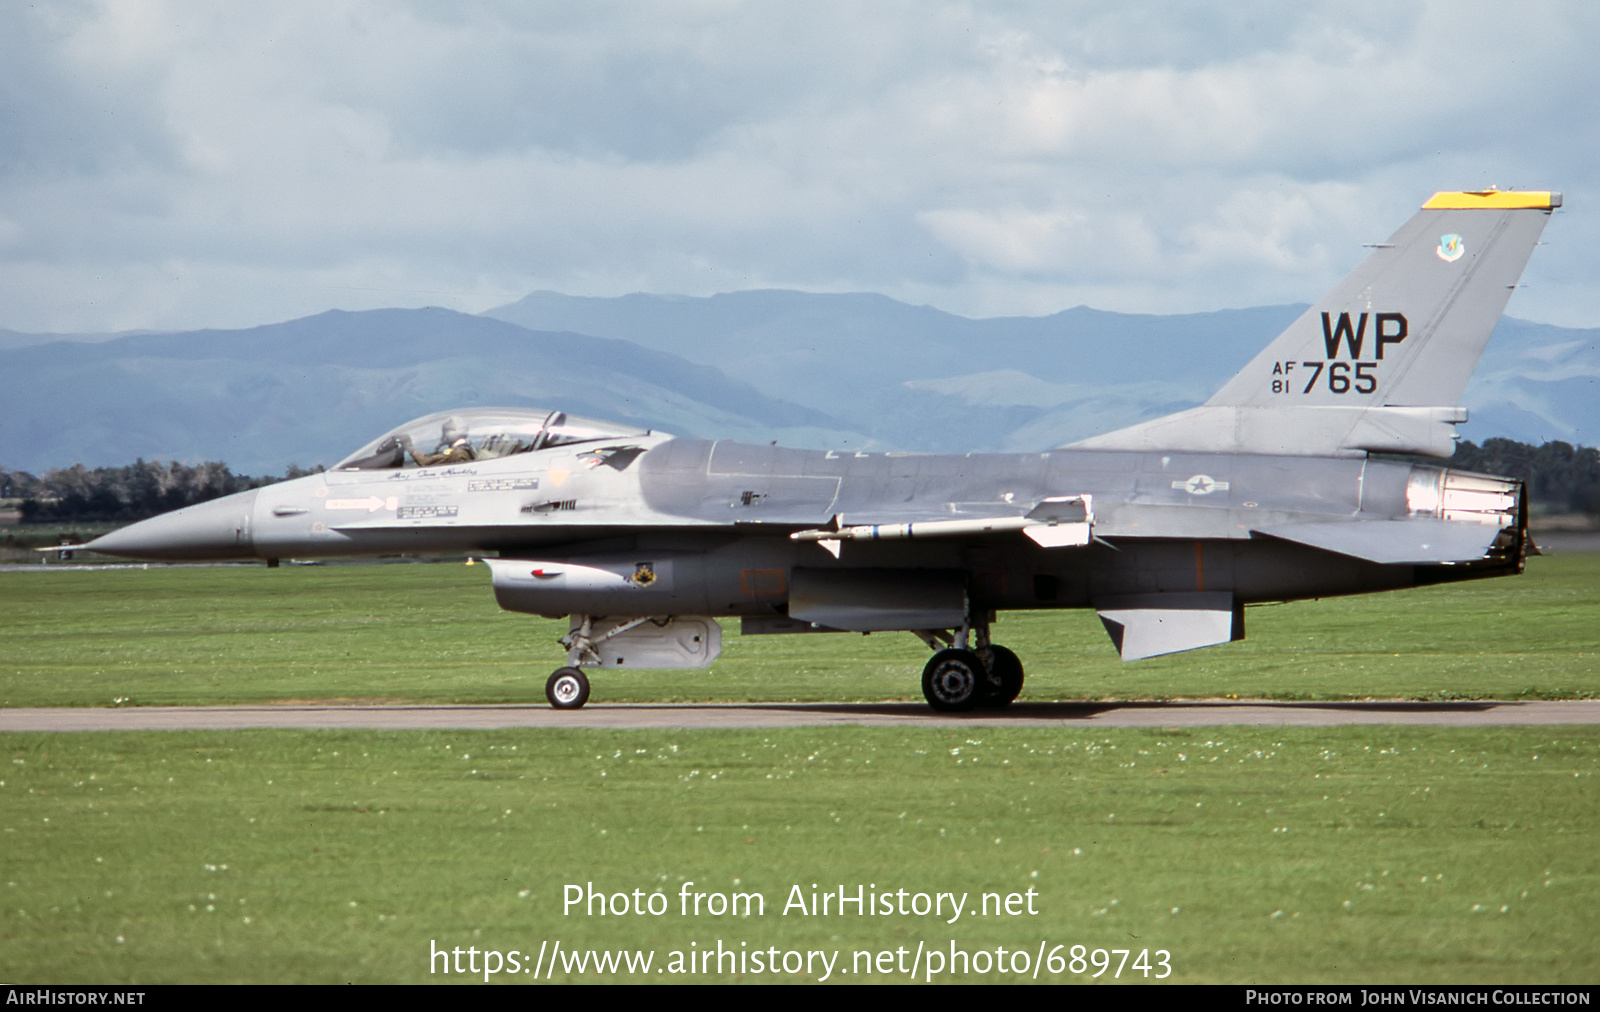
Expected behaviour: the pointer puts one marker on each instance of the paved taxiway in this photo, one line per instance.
(690, 716)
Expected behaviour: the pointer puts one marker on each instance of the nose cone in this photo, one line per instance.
(219, 529)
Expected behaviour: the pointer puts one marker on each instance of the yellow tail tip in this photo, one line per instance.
(1499, 200)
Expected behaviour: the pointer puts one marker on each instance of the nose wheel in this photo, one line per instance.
(567, 689)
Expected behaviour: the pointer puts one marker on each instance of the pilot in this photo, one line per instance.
(454, 446)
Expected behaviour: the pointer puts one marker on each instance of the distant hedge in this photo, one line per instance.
(1561, 478)
(122, 494)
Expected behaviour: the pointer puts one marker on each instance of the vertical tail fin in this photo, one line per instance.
(1416, 313)
(1380, 362)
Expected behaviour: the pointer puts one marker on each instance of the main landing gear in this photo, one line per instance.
(966, 670)
(963, 677)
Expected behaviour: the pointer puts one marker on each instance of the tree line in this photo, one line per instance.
(1561, 478)
(123, 494)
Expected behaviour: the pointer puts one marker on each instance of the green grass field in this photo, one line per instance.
(433, 632)
(1359, 854)
(1249, 855)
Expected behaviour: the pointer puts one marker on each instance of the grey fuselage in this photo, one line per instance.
(709, 522)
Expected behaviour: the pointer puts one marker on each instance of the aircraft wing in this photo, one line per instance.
(1420, 541)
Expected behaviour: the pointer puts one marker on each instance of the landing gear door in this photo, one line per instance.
(683, 641)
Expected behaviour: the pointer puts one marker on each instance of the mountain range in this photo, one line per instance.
(825, 370)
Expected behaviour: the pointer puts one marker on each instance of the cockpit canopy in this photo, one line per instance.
(455, 437)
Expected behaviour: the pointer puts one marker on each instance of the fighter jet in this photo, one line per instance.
(1307, 475)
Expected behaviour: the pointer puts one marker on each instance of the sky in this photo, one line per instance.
(176, 165)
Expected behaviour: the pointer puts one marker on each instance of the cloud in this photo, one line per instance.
(173, 164)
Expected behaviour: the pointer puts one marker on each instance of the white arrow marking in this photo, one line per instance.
(371, 503)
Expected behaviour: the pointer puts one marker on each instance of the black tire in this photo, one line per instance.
(1005, 677)
(954, 680)
(567, 689)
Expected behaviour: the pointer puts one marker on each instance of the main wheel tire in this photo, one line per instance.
(954, 680)
(567, 689)
(1005, 677)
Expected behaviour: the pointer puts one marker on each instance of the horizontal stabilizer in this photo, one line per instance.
(1147, 625)
(1421, 541)
(1311, 431)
